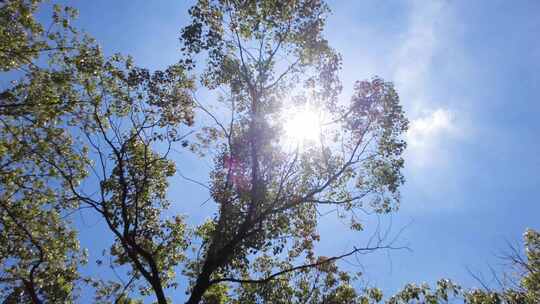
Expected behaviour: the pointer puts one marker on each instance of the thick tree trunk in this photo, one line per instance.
(29, 286)
(156, 283)
(211, 264)
(201, 285)
(160, 295)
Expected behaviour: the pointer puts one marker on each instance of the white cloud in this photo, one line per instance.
(431, 137)
(432, 124)
(413, 59)
(425, 130)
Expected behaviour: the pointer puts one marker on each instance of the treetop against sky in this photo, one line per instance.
(268, 152)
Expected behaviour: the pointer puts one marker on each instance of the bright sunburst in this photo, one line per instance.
(302, 125)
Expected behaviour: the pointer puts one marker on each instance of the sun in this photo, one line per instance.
(302, 125)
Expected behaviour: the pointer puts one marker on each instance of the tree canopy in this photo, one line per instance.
(82, 130)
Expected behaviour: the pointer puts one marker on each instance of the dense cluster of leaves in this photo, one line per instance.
(72, 117)
(81, 130)
(69, 117)
(39, 252)
(266, 57)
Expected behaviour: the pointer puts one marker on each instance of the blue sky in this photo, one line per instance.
(467, 75)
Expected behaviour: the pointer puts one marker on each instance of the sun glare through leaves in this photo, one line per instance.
(302, 126)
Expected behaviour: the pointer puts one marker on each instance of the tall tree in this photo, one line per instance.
(71, 118)
(39, 251)
(88, 131)
(269, 57)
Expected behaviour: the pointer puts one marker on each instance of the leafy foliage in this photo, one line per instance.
(267, 56)
(525, 290)
(58, 121)
(39, 251)
(81, 130)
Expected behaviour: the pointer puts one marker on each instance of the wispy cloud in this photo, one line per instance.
(428, 134)
(425, 129)
(431, 122)
(413, 58)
